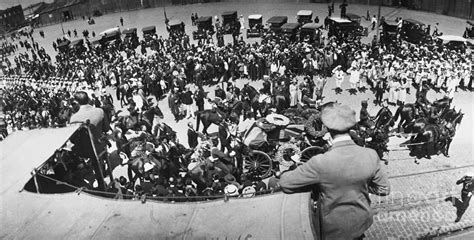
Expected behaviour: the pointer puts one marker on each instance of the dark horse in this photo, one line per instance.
(134, 120)
(408, 113)
(435, 138)
(384, 120)
(250, 95)
(148, 117)
(208, 117)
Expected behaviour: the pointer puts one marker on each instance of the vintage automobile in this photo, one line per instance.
(469, 32)
(255, 26)
(389, 31)
(110, 34)
(304, 16)
(64, 45)
(205, 28)
(345, 28)
(311, 33)
(78, 45)
(414, 31)
(33, 195)
(276, 22)
(291, 31)
(453, 42)
(176, 26)
(353, 17)
(148, 31)
(230, 22)
(130, 37)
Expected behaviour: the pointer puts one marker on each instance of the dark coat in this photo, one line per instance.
(192, 138)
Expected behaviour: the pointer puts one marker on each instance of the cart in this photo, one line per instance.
(271, 144)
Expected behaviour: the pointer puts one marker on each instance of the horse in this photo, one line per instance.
(127, 122)
(407, 114)
(142, 152)
(148, 116)
(384, 120)
(208, 117)
(424, 142)
(251, 96)
(449, 131)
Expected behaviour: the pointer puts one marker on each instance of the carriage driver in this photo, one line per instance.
(345, 175)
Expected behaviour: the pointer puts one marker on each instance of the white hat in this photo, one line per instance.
(231, 190)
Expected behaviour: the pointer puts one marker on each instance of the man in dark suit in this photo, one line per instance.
(344, 175)
(99, 124)
(192, 136)
(224, 135)
(379, 90)
(88, 112)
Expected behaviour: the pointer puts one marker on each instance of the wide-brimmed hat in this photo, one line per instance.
(231, 190)
(338, 117)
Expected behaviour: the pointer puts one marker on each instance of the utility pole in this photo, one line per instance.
(378, 21)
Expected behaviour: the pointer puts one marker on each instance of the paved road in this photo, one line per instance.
(416, 207)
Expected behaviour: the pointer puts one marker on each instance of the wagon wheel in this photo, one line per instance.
(310, 152)
(257, 164)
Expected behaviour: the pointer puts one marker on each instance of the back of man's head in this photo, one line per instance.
(81, 98)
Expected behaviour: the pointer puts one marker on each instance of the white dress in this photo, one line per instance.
(293, 95)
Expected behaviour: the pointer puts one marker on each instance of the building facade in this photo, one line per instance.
(12, 18)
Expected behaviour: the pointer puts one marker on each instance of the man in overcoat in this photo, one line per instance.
(344, 176)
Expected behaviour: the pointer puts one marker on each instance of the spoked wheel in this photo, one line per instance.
(310, 152)
(257, 164)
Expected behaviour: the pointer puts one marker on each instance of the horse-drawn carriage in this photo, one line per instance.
(272, 144)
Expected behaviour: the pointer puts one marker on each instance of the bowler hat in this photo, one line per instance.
(338, 117)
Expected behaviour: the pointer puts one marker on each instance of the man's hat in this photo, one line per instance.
(338, 117)
(231, 190)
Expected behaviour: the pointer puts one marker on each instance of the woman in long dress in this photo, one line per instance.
(293, 93)
(402, 95)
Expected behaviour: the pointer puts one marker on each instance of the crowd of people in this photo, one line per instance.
(44, 95)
